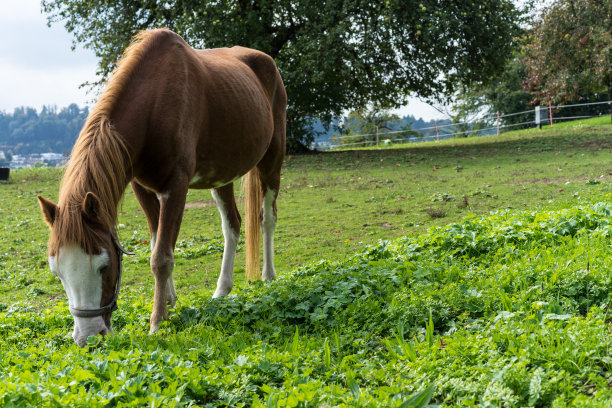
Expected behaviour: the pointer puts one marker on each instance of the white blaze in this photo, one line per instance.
(82, 281)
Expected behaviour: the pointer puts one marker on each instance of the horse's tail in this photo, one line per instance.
(253, 205)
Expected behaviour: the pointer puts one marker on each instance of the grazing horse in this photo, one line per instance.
(171, 118)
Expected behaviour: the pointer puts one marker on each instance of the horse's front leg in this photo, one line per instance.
(150, 205)
(172, 205)
(230, 223)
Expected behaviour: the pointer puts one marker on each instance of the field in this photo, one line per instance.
(462, 273)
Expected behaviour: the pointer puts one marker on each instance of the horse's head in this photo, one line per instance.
(86, 257)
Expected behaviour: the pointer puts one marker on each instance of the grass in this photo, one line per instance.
(492, 291)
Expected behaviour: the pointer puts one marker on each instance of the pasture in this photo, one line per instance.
(490, 287)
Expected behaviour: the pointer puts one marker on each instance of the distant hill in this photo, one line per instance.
(27, 131)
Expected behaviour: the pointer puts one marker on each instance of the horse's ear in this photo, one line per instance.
(49, 209)
(91, 206)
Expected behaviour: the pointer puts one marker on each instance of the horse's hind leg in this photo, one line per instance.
(269, 173)
(150, 205)
(230, 223)
(268, 226)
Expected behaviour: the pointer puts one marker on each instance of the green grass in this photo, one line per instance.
(490, 289)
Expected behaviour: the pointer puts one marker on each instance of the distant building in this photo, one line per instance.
(21, 161)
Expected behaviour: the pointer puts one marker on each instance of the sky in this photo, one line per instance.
(37, 66)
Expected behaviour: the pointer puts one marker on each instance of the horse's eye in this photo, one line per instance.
(104, 269)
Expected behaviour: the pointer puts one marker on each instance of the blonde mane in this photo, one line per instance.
(99, 163)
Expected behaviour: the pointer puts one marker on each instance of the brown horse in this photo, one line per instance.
(171, 118)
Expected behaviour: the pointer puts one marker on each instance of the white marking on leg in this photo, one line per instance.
(80, 275)
(267, 226)
(153, 241)
(226, 277)
(162, 196)
(170, 292)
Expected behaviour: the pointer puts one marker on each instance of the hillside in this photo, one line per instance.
(490, 287)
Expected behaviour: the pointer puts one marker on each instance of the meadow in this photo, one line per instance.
(472, 272)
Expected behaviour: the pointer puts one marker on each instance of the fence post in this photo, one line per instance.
(497, 123)
(437, 133)
(550, 114)
(376, 136)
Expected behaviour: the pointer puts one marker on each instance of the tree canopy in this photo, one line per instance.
(334, 55)
(569, 51)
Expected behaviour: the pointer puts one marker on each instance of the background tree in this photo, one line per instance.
(569, 51)
(334, 55)
(505, 94)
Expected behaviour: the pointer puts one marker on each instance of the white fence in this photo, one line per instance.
(542, 115)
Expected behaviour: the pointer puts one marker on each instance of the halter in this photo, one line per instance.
(112, 306)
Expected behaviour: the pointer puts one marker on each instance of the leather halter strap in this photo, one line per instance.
(112, 306)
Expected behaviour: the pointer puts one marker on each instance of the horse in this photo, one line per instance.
(170, 118)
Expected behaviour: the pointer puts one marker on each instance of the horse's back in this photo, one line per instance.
(253, 64)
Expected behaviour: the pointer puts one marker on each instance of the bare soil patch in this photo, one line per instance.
(201, 204)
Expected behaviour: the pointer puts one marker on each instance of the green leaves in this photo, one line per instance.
(353, 386)
(419, 399)
(499, 311)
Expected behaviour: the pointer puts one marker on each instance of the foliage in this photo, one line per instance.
(569, 51)
(334, 56)
(506, 95)
(28, 131)
(499, 311)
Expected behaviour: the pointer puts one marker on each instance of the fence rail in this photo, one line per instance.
(442, 133)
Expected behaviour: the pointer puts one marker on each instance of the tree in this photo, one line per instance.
(467, 113)
(505, 94)
(334, 55)
(569, 52)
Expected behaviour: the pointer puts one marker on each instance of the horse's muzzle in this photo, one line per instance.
(89, 326)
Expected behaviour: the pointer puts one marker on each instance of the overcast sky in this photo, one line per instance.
(38, 68)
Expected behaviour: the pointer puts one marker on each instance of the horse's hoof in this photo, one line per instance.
(155, 322)
(224, 287)
(219, 293)
(171, 303)
(268, 275)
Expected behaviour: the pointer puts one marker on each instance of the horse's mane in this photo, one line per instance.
(99, 162)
